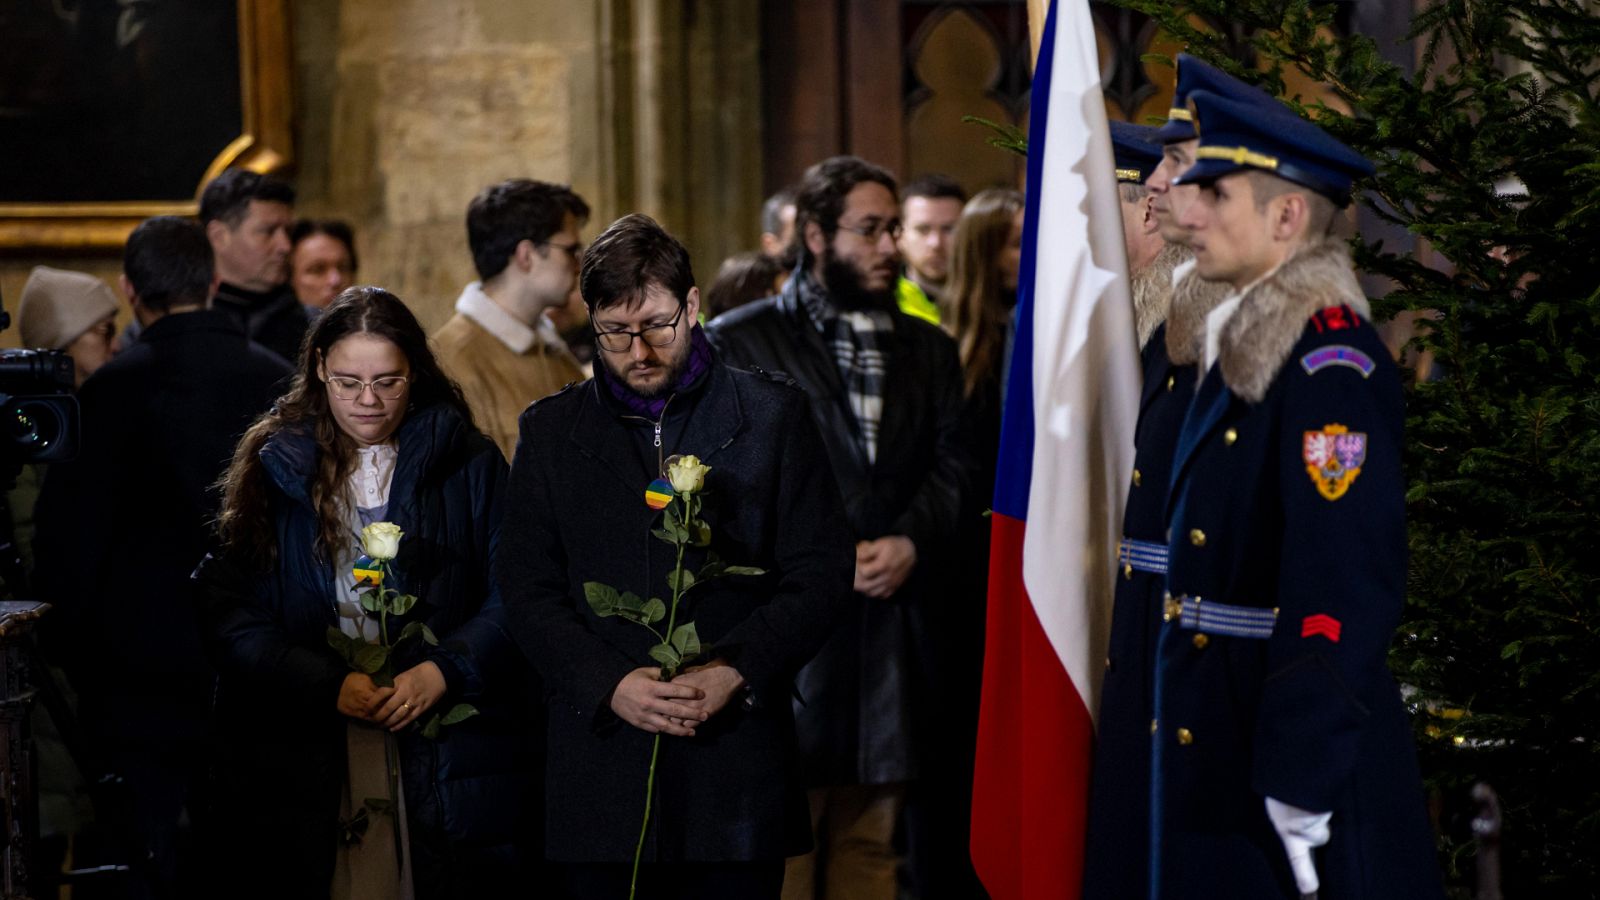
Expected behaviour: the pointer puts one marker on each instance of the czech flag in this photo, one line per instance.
(1066, 454)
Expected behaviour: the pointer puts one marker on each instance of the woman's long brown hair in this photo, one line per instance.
(246, 524)
(974, 297)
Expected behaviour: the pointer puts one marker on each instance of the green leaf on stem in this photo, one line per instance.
(630, 601)
(700, 533)
(744, 570)
(342, 643)
(371, 602)
(459, 713)
(430, 729)
(415, 629)
(668, 657)
(369, 658)
(603, 598)
(713, 567)
(428, 636)
(654, 611)
(686, 641)
(402, 604)
(680, 580)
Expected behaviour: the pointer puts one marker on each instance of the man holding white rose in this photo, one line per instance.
(594, 465)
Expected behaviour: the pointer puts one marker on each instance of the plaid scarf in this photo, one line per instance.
(855, 337)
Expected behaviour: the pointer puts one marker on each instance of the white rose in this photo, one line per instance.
(687, 474)
(381, 541)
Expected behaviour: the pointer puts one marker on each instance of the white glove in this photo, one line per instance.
(1301, 832)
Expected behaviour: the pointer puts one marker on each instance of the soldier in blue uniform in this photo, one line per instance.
(1169, 324)
(1118, 828)
(1282, 758)
(1191, 297)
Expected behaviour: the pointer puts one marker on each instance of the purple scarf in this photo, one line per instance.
(699, 363)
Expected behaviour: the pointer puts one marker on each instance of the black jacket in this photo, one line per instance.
(122, 526)
(578, 514)
(470, 794)
(861, 707)
(276, 320)
(1116, 863)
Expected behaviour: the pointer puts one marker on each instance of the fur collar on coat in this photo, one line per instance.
(1257, 339)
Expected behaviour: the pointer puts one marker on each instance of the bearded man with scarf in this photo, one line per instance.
(727, 806)
(886, 393)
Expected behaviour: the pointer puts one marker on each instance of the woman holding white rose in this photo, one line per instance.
(372, 455)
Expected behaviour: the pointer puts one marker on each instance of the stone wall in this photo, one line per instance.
(405, 108)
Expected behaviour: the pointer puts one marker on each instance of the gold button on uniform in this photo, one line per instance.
(1154, 724)
(1171, 381)
(1185, 737)
(1197, 537)
(1171, 608)
(1136, 477)
(1229, 436)
(1127, 571)
(1200, 641)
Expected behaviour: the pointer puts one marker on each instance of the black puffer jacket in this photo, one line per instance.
(864, 699)
(471, 794)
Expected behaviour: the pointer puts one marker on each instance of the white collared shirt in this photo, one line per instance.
(373, 474)
(518, 337)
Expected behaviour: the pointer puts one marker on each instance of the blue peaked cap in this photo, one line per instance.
(1194, 75)
(1136, 150)
(1236, 136)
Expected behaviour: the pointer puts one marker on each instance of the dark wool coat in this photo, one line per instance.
(578, 514)
(1116, 863)
(276, 320)
(122, 526)
(471, 794)
(1288, 499)
(863, 709)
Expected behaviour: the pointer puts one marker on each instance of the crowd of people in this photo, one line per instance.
(209, 552)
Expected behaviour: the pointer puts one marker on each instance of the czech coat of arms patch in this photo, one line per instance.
(1333, 458)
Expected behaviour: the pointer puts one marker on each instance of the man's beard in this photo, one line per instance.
(674, 371)
(846, 290)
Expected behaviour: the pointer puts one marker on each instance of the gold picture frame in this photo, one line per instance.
(265, 144)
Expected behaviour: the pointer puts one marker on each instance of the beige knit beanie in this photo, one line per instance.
(58, 306)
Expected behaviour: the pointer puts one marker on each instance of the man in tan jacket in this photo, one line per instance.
(499, 346)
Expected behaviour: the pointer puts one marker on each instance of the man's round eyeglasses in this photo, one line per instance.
(389, 387)
(875, 229)
(656, 335)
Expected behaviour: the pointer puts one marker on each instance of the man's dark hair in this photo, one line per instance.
(339, 231)
(167, 261)
(771, 219)
(227, 196)
(822, 192)
(627, 258)
(935, 187)
(506, 214)
(742, 279)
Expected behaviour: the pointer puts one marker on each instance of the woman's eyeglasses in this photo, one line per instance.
(389, 387)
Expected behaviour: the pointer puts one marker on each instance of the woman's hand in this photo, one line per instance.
(359, 696)
(415, 689)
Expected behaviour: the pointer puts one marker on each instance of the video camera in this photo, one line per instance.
(38, 413)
